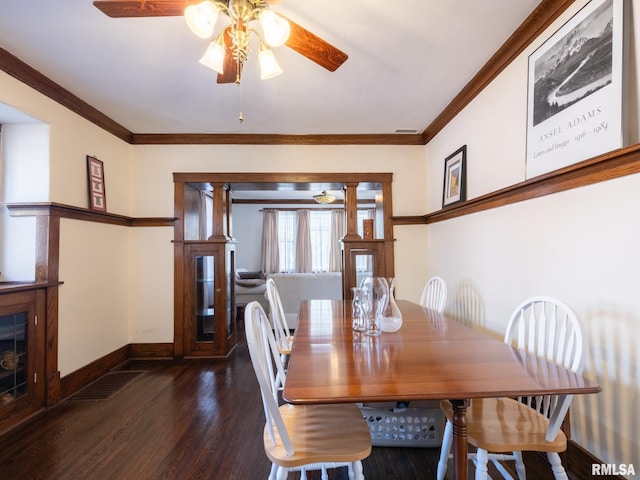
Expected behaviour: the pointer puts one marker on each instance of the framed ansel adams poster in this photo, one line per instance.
(574, 107)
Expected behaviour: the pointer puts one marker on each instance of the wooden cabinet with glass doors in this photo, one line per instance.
(21, 390)
(205, 314)
(208, 298)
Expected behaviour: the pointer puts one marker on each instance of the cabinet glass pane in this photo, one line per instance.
(13, 356)
(363, 267)
(230, 273)
(205, 298)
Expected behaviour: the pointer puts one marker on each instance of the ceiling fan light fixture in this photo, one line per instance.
(213, 58)
(275, 28)
(269, 67)
(324, 197)
(201, 18)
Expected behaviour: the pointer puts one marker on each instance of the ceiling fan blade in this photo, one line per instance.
(230, 65)
(230, 68)
(314, 48)
(142, 8)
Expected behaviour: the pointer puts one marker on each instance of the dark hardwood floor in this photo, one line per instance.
(200, 419)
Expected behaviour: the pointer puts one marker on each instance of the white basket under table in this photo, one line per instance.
(417, 424)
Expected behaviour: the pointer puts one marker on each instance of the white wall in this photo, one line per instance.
(24, 177)
(579, 246)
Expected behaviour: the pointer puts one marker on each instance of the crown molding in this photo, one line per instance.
(546, 12)
(272, 139)
(532, 27)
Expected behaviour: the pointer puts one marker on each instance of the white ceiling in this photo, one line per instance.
(407, 60)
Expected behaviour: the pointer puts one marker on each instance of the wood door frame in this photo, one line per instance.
(272, 181)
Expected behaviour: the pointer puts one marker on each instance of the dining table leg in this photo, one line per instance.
(460, 462)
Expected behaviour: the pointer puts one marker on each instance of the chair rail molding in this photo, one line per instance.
(615, 164)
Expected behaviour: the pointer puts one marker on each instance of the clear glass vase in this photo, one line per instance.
(391, 318)
(377, 293)
(359, 308)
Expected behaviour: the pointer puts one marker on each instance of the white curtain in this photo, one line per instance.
(270, 254)
(304, 260)
(337, 232)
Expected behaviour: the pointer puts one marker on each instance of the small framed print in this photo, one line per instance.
(95, 177)
(455, 173)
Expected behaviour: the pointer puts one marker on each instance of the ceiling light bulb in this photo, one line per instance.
(201, 18)
(276, 29)
(214, 56)
(269, 67)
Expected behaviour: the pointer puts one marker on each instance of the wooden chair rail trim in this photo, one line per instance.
(77, 213)
(615, 164)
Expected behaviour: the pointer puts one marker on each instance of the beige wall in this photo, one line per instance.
(579, 246)
(153, 166)
(118, 281)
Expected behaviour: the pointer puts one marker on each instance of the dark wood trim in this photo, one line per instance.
(84, 376)
(619, 163)
(527, 32)
(36, 80)
(281, 177)
(77, 213)
(151, 350)
(13, 287)
(273, 139)
(578, 461)
(52, 374)
(409, 220)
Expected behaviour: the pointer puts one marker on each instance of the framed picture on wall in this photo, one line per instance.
(455, 173)
(575, 90)
(95, 177)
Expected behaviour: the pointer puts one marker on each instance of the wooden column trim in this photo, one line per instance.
(351, 210)
(219, 219)
(178, 270)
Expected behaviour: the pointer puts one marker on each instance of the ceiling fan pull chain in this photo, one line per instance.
(240, 118)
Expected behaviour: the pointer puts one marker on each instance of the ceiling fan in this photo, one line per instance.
(231, 46)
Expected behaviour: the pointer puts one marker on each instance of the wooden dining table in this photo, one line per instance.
(432, 356)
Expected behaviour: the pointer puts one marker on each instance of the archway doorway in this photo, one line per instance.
(206, 258)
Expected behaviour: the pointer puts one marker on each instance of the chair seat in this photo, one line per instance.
(321, 433)
(505, 425)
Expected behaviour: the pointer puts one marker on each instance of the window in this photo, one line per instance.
(320, 225)
(320, 231)
(287, 240)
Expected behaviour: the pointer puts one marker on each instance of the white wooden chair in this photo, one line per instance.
(284, 339)
(434, 294)
(302, 437)
(502, 428)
